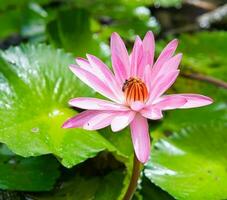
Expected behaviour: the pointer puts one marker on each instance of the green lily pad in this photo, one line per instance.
(86, 188)
(27, 174)
(204, 52)
(71, 31)
(150, 191)
(191, 165)
(35, 86)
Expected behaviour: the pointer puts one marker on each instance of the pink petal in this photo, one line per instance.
(136, 56)
(148, 48)
(120, 58)
(93, 82)
(147, 77)
(162, 84)
(170, 65)
(137, 105)
(165, 55)
(122, 120)
(84, 64)
(90, 120)
(101, 71)
(169, 102)
(153, 113)
(106, 75)
(195, 100)
(96, 104)
(147, 51)
(140, 138)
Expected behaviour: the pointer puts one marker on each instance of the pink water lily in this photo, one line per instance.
(135, 90)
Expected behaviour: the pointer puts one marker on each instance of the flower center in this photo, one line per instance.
(135, 90)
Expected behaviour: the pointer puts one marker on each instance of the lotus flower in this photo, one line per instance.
(135, 90)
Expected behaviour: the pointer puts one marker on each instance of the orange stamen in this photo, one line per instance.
(135, 90)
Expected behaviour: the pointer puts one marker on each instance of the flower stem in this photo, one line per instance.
(134, 179)
(208, 79)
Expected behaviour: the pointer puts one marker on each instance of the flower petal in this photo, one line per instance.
(169, 102)
(122, 120)
(170, 65)
(162, 84)
(148, 49)
(96, 104)
(136, 57)
(106, 75)
(165, 55)
(90, 120)
(120, 58)
(137, 105)
(147, 77)
(140, 138)
(195, 100)
(151, 113)
(93, 82)
(84, 64)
